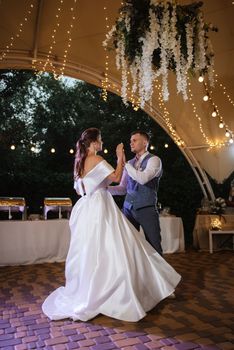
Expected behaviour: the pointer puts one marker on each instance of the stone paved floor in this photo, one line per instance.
(201, 316)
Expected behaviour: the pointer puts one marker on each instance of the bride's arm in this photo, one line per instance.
(117, 174)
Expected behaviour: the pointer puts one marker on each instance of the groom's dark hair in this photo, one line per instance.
(142, 133)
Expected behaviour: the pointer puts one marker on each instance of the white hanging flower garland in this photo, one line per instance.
(152, 37)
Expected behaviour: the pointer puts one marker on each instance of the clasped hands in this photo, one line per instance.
(121, 154)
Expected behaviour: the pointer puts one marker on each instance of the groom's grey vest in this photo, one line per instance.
(140, 196)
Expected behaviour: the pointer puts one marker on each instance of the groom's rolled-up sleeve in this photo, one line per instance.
(153, 169)
(121, 189)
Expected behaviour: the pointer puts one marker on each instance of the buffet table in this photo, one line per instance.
(31, 242)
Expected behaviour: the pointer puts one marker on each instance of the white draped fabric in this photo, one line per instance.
(39, 241)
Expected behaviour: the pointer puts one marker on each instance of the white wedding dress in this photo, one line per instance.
(110, 268)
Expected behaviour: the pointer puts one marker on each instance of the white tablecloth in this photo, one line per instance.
(172, 232)
(30, 242)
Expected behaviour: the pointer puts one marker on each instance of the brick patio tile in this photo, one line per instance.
(118, 336)
(30, 339)
(77, 337)
(69, 332)
(104, 346)
(33, 312)
(59, 347)
(140, 347)
(40, 344)
(56, 334)
(39, 326)
(55, 341)
(153, 345)
(94, 328)
(6, 336)
(86, 342)
(144, 338)
(102, 339)
(21, 347)
(83, 330)
(71, 326)
(5, 325)
(127, 342)
(21, 329)
(32, 345)
(9, 342)
(42, 331)
(93, 334)
(186, 346)
(20, 334)
(72, 345)
(44, 336)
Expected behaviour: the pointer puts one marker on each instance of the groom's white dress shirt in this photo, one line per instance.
(153, 169)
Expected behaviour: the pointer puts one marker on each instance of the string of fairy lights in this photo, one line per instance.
(166, 116)
(105, 81)
(19, 31)
(40, 66)
(215, 110)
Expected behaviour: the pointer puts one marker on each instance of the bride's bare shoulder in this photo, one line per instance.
(94, 160)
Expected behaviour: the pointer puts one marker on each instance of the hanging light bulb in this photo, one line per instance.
(33, 149)
(214, 114)
(166, 145)
(105, 151)
(231, 140)
(221, 124)
(227, 133)
(52, 150)
(12, 147)
(200, 79)
(205, 98)
(71, 151)
(152, 147)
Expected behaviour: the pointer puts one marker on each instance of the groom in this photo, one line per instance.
(140, 183)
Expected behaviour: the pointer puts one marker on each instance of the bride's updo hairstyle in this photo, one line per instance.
(88, 136)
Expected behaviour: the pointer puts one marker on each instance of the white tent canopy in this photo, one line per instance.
(37, 34)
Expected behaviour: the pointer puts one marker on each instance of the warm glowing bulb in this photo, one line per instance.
(105, 151)
(214, 114)
(166, 145)
(12, 147)
(221, 125)
(33, 149)
(71, 151)
(52, 150)
(227, 133)
(152, 147)
(200, 79)
(231, 140)
(205, 98)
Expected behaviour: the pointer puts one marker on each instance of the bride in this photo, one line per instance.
(110, 268)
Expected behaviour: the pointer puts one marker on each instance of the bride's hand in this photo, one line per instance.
(120, 151)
